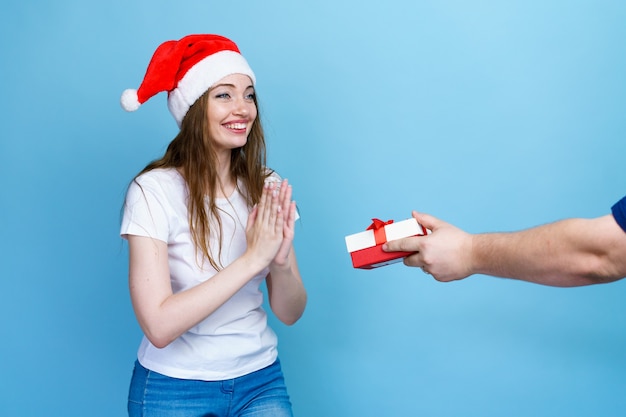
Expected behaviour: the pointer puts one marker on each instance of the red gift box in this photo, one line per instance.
(366, 247)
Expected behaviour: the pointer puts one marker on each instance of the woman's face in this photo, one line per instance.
(231, 111)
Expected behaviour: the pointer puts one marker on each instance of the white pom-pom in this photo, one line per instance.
(129, 100)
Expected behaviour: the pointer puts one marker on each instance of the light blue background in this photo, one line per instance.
(493, 115)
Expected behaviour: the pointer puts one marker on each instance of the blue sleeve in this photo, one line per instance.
(619, 212)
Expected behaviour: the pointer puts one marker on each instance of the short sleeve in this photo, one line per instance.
(272, 177)
(619, 212)
(144, 210)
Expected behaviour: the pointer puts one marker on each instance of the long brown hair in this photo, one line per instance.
(193, 154)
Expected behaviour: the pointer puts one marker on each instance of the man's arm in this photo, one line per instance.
(565, 253)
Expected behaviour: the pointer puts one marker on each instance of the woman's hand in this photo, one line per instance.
(265, 227)
(287, 296)
(288, 208)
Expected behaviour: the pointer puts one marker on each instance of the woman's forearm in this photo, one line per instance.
(287, 295)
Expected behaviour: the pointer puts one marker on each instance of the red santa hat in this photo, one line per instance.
(186, 69)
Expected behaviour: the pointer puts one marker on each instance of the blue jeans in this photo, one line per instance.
(260, 393)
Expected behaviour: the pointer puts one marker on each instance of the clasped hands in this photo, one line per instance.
(270, 227)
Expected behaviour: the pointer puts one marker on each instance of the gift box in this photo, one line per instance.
(366, 247)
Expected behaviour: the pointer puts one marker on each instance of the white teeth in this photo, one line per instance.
(236, 126)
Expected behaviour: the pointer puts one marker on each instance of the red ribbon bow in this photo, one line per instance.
(378, 226)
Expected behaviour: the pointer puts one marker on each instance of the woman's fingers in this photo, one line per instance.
(265, 222)
(276, 211)
(270, 212)
(261, 213)
(287, 191)
(272, 222)
(292, 216)
(252, 217)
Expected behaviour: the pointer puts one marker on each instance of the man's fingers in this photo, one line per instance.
(408, 244)
(412, 260)
(426, 220)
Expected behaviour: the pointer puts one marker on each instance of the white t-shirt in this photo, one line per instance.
(233, 341)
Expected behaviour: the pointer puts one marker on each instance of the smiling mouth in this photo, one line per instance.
(235, 126)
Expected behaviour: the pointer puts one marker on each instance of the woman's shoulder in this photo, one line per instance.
(159, 181)
(160, 174)
(162, 177)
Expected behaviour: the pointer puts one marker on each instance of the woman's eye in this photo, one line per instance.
(222, 95)
(250, 96)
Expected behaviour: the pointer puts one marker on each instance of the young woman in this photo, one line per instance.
(206, 224)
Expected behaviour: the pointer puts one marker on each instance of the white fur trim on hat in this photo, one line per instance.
(201, 77)
(129, 100)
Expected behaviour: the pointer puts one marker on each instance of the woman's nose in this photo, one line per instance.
(241, 108)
